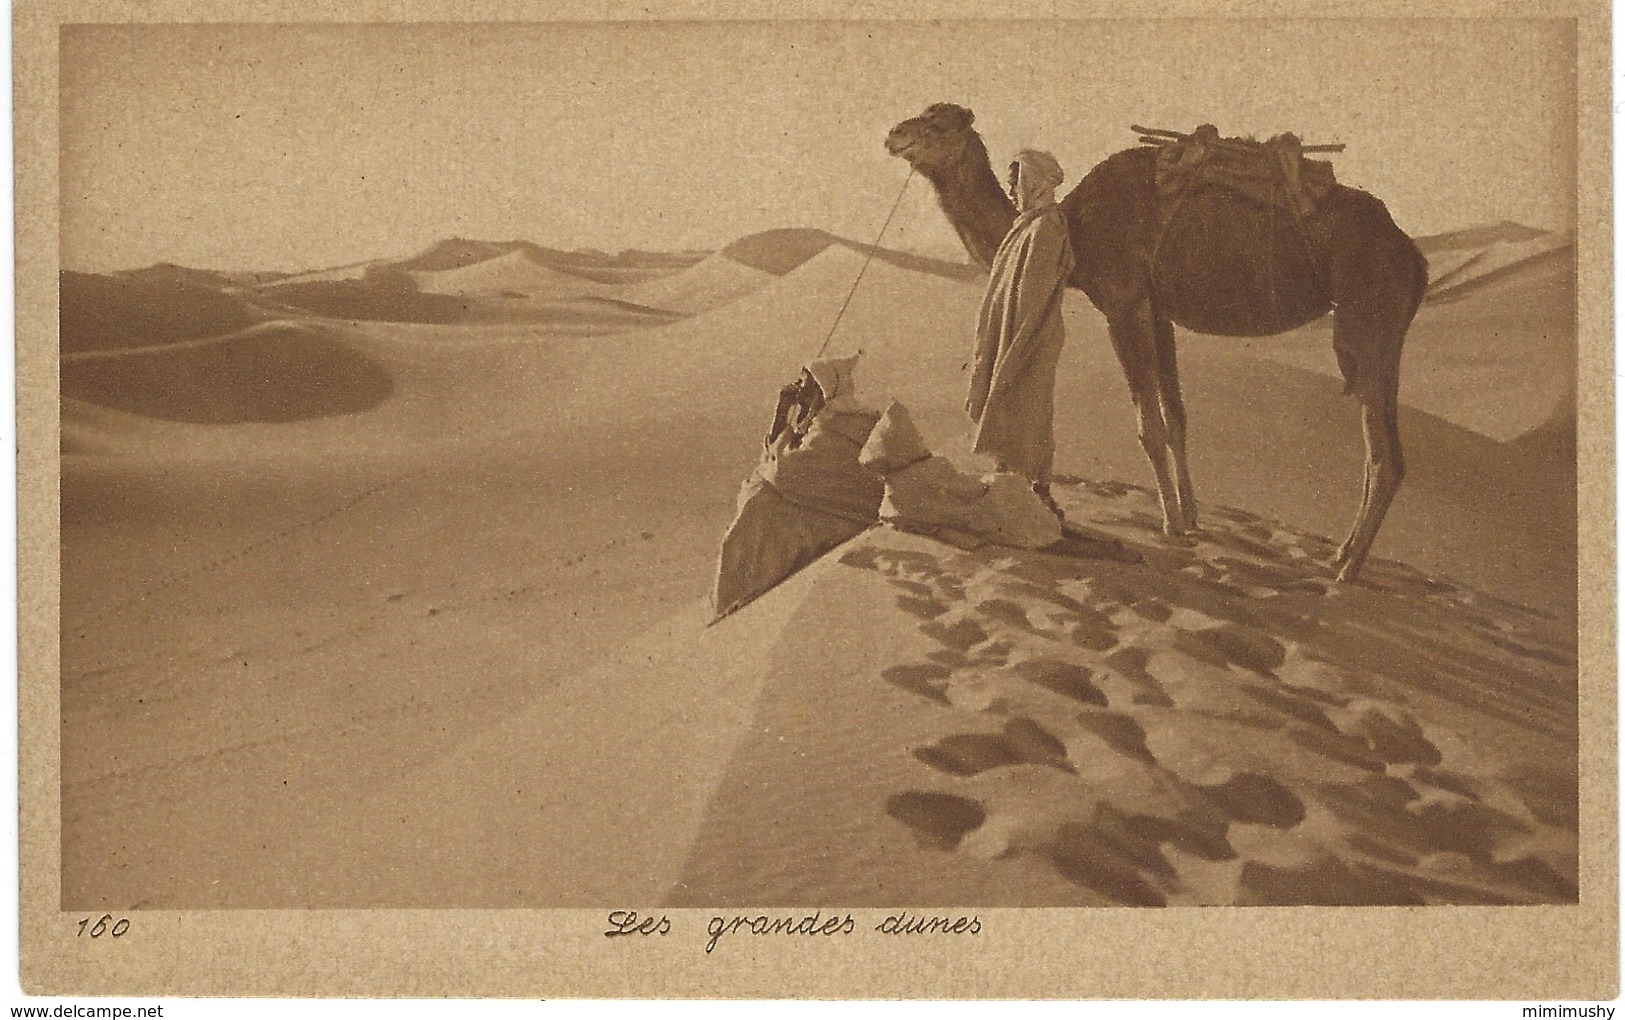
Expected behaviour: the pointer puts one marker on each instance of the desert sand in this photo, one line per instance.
(385, 587)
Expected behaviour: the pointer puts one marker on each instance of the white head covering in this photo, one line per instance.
(1040, 175)
(835, 376)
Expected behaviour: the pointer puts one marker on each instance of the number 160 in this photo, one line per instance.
(101, 927)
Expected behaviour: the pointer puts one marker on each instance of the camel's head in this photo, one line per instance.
(935, 140)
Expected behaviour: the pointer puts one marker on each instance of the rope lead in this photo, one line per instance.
(864, 268)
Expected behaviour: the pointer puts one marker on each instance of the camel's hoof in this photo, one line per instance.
(1349, 574)
(1178, 538)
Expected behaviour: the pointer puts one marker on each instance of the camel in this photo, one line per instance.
(1219, 265)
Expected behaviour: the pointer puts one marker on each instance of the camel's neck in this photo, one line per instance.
(975, 203)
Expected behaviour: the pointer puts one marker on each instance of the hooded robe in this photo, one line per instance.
(1019, 331)
(803, 500)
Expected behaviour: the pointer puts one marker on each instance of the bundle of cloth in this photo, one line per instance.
(926, 494)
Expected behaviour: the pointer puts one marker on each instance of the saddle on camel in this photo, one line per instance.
(1272, 173)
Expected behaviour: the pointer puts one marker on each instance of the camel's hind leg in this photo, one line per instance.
(1134, 339)
(1377, 278)
(1173, 417)
(1384, 470)
(1376, 386)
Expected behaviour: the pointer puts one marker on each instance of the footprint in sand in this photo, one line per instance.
(939, 820)
(1064, 678)
(1257, 800)
(1023, 742)
(928, 680)
(1120, 732)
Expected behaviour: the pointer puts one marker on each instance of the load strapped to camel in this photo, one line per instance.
(1270, 173)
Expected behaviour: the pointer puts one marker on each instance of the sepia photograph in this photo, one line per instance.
(877, 482)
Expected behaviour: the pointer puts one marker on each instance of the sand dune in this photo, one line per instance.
(441, 646)
(580, 316)
(1499, 260)
(335, 274)
(1480, 235)
(780, 251)
(515, 274)
(1443, 264)
(176, 275)
(170, 274)
(267, 373)
(705, 285)
(633, 274)
(626, 267)
(382, 295)
(465, 281)
(461, 252)
(103, 312)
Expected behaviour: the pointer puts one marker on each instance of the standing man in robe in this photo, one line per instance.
(1019, 331)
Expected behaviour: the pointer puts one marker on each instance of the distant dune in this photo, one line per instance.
(172, 275)
(708, 284)
(103, 312)
(274, 372)
(579, 316)
(515, 274)
(623, 267)
(780, 251)
(351, 271)
(460, 252)
(632, 275)
(380, 295)
(1480, 236)
(1496, 261)
(472, 281)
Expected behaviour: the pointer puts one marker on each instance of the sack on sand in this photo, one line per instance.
(927, 494)
(769, 540)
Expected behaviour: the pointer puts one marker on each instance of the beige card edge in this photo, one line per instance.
(1316, 953)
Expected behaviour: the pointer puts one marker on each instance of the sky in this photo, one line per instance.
(264, 146)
